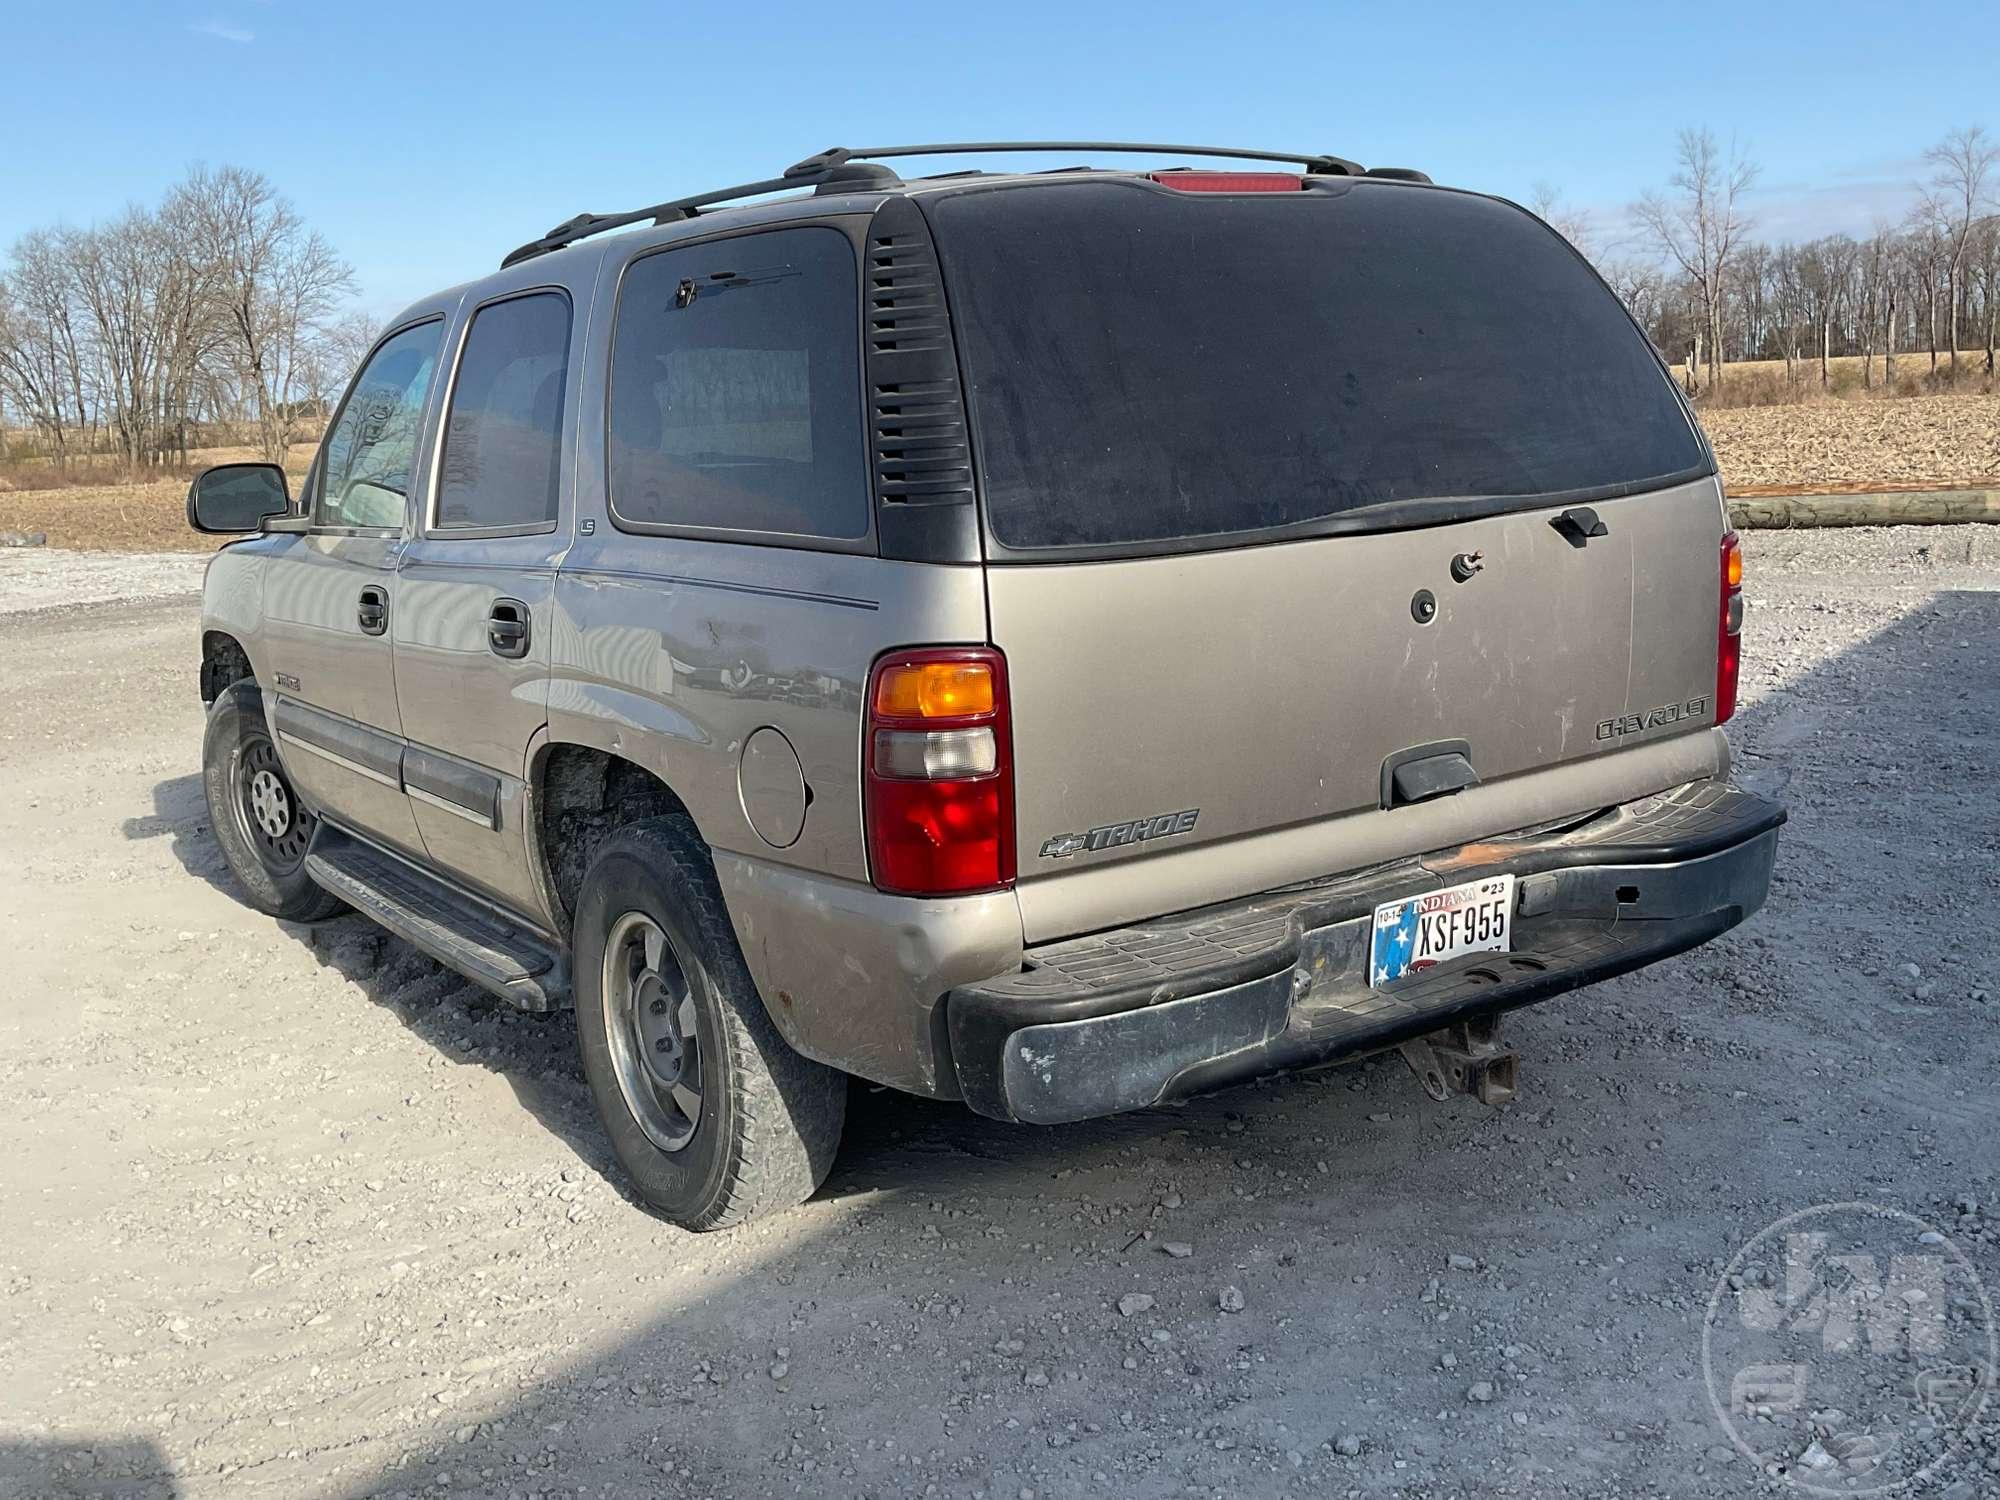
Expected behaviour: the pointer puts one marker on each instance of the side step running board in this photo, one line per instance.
(462, 933)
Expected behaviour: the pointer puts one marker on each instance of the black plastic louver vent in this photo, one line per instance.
(916, 409)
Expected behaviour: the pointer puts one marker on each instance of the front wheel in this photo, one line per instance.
(715, 1118)
(263, 827)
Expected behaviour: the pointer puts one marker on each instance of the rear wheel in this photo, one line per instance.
(713, 1116)
(653, 1031)
(262, 826)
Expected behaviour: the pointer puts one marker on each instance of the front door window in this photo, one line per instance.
(372, 448)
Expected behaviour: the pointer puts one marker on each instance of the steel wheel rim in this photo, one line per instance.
(268, 813)
(651, 1024)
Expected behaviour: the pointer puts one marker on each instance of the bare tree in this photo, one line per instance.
(276, 281)
(1927, 249)
(1788, 301)
(14, 333)
(1573, 224)
(1984, 262)
(1750, 274)
(1877, 281)
(124, 273)
(1826, 269)
(342, 344)
(43, 371)
(219, 301)
(1961, 165)
(1640, 286)
(194, 333)
(1700, 223)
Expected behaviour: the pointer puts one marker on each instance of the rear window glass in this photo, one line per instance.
(736, 388)
(1148, 365)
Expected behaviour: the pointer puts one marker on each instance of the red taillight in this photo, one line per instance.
(1230, 182)
(1729, 630)
(938, 772)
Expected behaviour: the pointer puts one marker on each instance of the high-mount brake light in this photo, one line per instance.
(938, 773)
(1230, 182)
(1729, 630)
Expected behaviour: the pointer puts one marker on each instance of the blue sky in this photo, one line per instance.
(425, 139)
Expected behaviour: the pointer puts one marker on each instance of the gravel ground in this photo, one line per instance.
(1910, 439)
(36, 578)
(295, 1212)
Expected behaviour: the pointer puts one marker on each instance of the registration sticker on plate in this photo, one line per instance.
(1421, 932)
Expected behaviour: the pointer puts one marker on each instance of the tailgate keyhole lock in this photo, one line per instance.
(1465, 565)
(1424, 607)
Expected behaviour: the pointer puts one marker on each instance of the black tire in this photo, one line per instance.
(763, 1134)
(239, 763)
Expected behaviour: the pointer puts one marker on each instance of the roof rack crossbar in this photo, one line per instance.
(1316, 162)
(831, 166)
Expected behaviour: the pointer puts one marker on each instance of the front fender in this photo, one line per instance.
(232, 598)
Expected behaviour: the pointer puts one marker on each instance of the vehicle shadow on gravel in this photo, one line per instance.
(180, 815)
(890, 1135)
(892, 1141)
(956, 1286)
(127, 1467)
(536, 1055)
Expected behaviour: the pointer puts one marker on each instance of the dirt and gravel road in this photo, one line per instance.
(295, 1212)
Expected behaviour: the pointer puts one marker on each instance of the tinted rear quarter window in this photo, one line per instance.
(1148, 365)
(503, 433)
(736, 388)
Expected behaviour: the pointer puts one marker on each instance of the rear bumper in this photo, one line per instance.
(1177, 1006)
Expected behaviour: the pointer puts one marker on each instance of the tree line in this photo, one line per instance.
(218, 306)
(1707, 292)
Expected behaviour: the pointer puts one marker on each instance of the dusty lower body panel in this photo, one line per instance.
(856, 978)
(1170, 1008)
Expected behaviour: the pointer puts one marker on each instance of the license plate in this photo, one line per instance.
(1421, 932)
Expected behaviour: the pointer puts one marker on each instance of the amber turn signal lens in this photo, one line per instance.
(1733, 568)
(934, 690)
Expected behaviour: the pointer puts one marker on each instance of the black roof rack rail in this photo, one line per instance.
(1318, 163)
(586, 224)
(840, 165)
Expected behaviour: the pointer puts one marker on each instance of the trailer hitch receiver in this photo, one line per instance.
(1463, 1059)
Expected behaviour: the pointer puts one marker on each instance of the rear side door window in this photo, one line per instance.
(736, 389)
(500, 467)
(371, 450)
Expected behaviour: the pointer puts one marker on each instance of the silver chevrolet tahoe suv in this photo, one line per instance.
(1062, 641)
